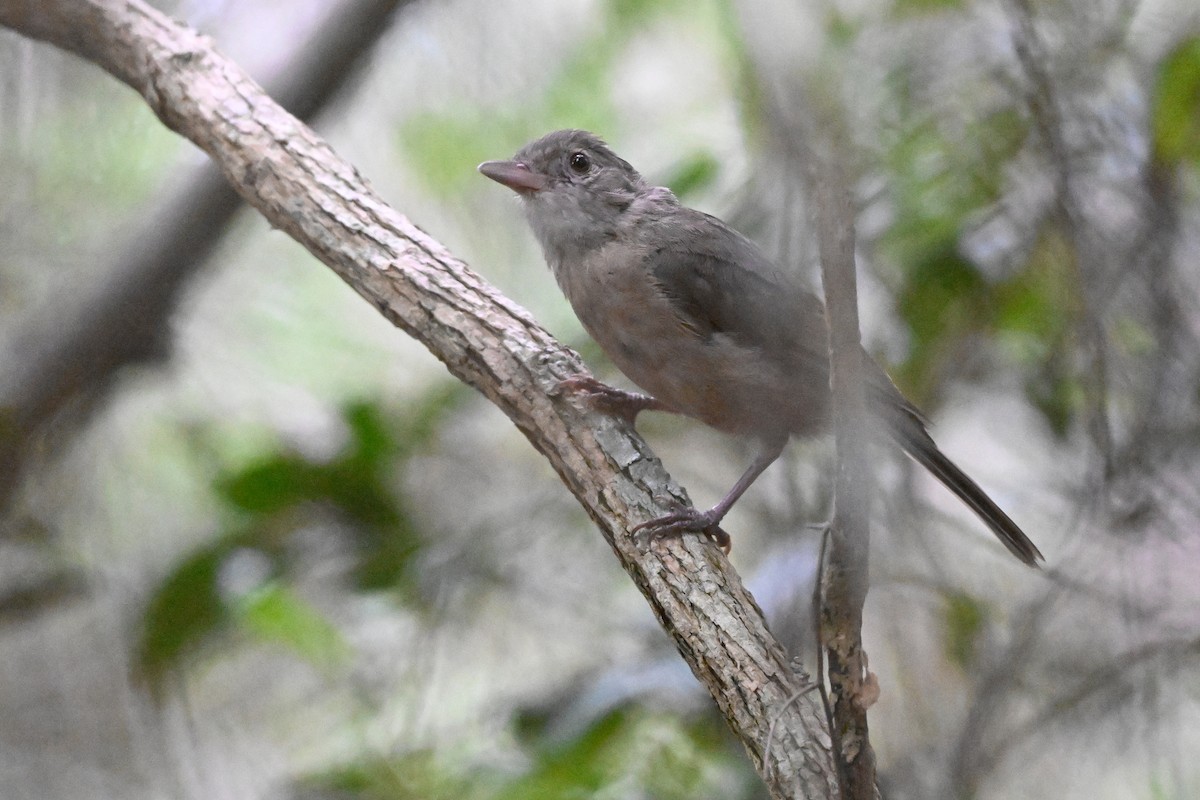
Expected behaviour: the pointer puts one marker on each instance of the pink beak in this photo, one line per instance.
(514, 175)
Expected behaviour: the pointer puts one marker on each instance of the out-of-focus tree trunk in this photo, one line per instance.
(68, 362)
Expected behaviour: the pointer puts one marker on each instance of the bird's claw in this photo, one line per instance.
(686, 520)
(604, 398)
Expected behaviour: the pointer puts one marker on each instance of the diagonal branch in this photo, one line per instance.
(302, 187)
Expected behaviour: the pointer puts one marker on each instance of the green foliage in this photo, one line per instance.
(444, 147)
(579, 95)
(276, 614)
(645, 754)
(625, 15)
(843, 29)
(357, 484)
(965, 619)
(905, 7)
(943, 299)
(1034, 313)
(1057, 394)
(194, 606)
(416, 776)
(938, 185)
(1175, 117)
(125, 152)
(625, 753)
(270, 499)
(183, 613)
(1034, 305)
(579, 768)
(694, 174)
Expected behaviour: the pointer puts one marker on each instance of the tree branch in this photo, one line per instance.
(303, 188)
(809, 130)
(847, 575)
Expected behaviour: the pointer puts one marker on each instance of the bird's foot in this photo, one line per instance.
(687, 520)
(607, 399)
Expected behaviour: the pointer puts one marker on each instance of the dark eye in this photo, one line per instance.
(580, 162)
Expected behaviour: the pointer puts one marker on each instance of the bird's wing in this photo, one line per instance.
(720, 283)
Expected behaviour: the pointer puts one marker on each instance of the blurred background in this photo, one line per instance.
(258, 544)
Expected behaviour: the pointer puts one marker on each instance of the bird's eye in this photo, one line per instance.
(580, 162)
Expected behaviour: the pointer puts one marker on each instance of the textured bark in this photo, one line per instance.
(303, 188)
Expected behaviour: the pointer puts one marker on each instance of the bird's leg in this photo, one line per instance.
(687, 519)
(610, 400)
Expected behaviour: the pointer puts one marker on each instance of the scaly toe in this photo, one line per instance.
(686, 520)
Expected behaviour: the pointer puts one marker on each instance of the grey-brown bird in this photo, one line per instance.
(697, 316)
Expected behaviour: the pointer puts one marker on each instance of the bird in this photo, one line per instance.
(697, 316)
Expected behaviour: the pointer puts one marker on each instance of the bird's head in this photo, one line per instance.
(575, 189)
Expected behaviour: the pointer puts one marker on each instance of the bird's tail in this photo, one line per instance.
(917, 442)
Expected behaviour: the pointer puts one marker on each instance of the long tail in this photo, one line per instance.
(916, 441)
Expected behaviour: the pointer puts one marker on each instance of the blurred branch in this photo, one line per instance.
(807, 125)
(25, 602)
(302, 187)
(847, 571)
(68, 362)
(1048, 116)
(1110, 684)
(999, 684)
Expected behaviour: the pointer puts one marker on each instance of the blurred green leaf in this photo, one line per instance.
(942, 300)
(579, 97)
(938, 185)
(629, 14)
(273, 497)
(371, 442)
(1034, 315)
(965, 618)
(1036, 303)
(443, 148)
(651, 755)
(1034, 307)
(421, 421)
(1057, 395)
(577, 769)
(1175, 117)
(842, 28)
(625, 753)
(184, 612)
(413, 776)
(905, 7)
(695, 173)
(269, 486)
(358, 483)
(125, 153)
(275, 614)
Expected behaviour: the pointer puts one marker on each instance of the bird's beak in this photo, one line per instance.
(514, 175)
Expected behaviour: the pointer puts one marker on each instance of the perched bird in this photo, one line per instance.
(697, 316)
